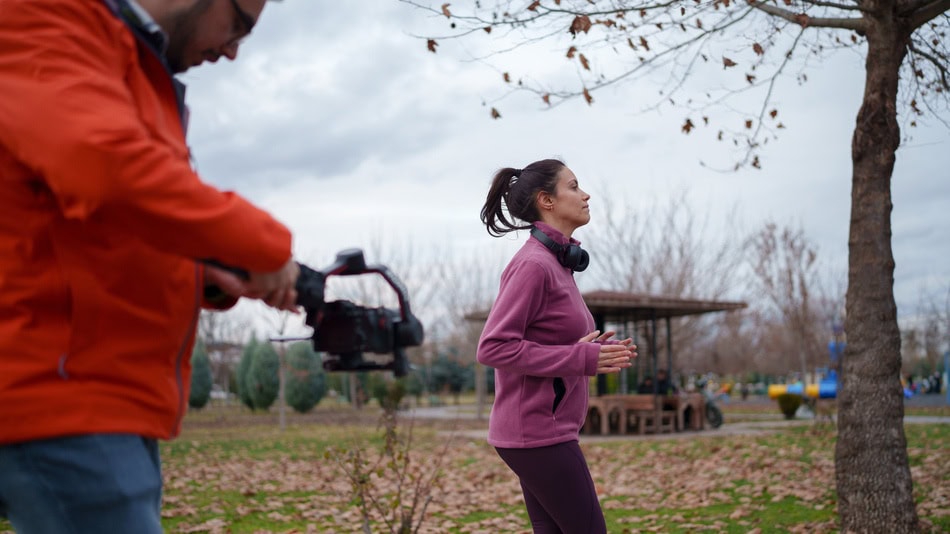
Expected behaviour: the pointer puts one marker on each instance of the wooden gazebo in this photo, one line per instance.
(626, 310)
(618, 308)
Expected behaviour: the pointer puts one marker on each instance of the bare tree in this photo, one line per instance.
(468, 286)
(904, 42)
(223, 334)
(927, 335)
(280, 323)
(663, 248)
(786, 273)
(667, 248)
(735, 349)
(942, 311)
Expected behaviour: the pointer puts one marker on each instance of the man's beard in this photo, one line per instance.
(181, 27)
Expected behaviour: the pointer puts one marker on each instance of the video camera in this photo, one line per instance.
(344, 330)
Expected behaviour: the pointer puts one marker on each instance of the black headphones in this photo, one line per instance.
(571, 256)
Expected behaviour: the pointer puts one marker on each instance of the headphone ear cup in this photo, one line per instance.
(571, 256)
(575, 258)
(583, 260)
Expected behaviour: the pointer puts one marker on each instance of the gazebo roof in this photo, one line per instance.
(617, 305)
(639, 307)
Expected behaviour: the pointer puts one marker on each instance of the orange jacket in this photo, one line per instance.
(101, 220)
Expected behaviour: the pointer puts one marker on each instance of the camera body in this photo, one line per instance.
(344, 331)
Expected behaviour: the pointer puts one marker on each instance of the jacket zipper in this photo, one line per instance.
(179, 380)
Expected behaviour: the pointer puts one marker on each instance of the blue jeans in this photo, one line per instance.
(82, 484)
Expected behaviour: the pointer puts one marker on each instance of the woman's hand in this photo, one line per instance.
(597, 337)
(613, 357)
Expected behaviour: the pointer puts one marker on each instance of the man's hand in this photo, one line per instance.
(228, 282)
(276, 289)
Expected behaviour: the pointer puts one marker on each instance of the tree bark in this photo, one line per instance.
(875, 490)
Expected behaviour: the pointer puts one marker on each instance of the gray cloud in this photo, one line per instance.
(336, 117)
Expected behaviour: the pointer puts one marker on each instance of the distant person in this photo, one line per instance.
(104, 228)
(540, 339)
(663, 384)
(646, 387)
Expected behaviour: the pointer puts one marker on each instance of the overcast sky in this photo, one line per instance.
(339, 121)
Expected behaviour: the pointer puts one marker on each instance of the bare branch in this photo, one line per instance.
(671, 51)
(803, 20)
(940, 66)
(919, 13)
(834, 5)
(772, 80)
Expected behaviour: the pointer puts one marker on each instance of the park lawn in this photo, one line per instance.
(256, 479)
(244, 475)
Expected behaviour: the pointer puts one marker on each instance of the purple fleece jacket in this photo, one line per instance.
(531, 339)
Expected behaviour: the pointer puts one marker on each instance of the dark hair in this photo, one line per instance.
(514, 191)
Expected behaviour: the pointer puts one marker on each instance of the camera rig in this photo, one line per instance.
(344, 331)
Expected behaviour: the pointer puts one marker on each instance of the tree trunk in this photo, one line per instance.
(875, 491)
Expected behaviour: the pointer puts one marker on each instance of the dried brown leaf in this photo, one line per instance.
(581, 23)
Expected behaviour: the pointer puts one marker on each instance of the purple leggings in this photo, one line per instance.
(558, 490)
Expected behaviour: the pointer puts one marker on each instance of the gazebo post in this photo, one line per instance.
(600, 324)
(657, 403)
(669, 350)
(638, 376)
(653, 351)
(624, 374)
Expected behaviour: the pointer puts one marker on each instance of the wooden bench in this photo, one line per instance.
(647, 414)
(601, 411)
(607, 414)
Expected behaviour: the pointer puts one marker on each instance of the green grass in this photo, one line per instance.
(238, 473)
(760, 513)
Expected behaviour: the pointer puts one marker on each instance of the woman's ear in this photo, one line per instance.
(545, 201)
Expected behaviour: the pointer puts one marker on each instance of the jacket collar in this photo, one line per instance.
(555, 234)
(147, 31)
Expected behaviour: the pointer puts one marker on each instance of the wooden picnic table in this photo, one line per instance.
(692, 403)
(622, 414)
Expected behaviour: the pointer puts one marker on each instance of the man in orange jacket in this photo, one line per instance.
(103, 229)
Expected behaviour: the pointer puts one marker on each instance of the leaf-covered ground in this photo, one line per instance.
(256, 479)
(228, 474)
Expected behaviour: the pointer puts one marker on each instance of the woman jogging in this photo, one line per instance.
(540, 339)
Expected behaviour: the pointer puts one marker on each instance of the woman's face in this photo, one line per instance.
(568, 208)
